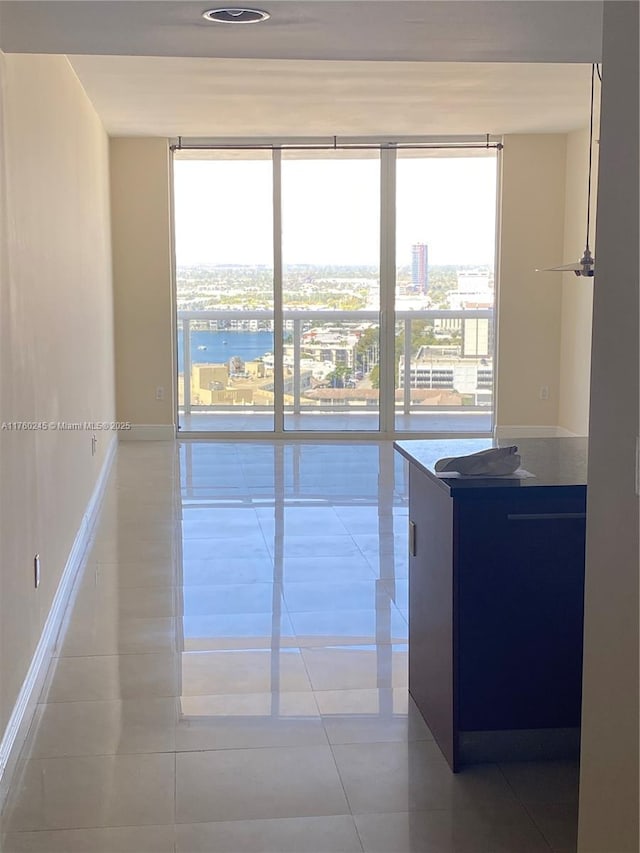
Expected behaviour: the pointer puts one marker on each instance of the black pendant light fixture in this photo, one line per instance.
(587, 264)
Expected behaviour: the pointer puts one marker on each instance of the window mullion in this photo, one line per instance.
(278, 319)
(387, 288)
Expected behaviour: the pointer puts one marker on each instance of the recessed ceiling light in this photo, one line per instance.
(235, 15)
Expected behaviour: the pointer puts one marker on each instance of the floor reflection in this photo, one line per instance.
(289, 556)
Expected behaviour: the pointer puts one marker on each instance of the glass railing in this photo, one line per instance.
(331, 362)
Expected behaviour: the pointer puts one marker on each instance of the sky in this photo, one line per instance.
(330, 210)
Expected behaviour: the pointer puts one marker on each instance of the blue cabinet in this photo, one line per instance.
(496, 588)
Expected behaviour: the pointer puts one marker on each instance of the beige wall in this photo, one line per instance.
(609, 796)
(538, 344)
(56, 337)
(143, 302)
(544, 322)
(577, 293)
(532, 226)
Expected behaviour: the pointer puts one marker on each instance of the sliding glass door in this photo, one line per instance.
(445, 292)
(224, 289)
(330, 290)
(335, 289)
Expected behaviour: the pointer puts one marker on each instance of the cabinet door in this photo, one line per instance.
(520, 591)
(431, 672)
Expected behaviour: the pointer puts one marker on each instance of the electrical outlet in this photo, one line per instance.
(160, 392)
(36, 571)
(544, 392)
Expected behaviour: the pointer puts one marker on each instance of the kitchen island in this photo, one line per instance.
(496, 587)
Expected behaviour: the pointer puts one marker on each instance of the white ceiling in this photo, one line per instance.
(239, 97)
(332, 67)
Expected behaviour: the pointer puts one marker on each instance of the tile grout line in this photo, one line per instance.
(344, 791)
(524, 805)
(175, 801)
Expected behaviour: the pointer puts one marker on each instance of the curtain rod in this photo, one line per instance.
(335, 146)
(497, 145)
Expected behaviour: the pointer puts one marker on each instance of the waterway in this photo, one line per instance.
(209, 347)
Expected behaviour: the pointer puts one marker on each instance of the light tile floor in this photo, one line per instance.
(233, 675)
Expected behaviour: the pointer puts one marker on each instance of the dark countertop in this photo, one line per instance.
(553, 462)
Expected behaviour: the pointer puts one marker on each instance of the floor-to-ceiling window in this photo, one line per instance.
(225, 295)
(332, 289)
(445, 291)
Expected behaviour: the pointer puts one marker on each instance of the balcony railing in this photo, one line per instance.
(417, 373)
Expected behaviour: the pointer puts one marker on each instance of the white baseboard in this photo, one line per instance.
(24, 708)
(533, 432)
(148, 432)
(562, 432)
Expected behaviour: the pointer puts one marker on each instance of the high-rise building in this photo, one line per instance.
(420, 267)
